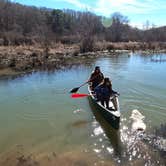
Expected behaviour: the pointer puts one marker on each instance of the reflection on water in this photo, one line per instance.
(158, 58)
(102, 131)
(127, 146)
(137, 149)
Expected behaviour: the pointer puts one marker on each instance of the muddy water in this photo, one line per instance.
(38, 119)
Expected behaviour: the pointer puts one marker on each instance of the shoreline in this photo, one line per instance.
(20, 60)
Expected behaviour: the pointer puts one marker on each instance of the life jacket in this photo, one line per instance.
(102, 92)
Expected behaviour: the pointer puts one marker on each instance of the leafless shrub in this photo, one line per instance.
(87, 44)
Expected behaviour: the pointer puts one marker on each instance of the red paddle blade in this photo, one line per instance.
(76, 95)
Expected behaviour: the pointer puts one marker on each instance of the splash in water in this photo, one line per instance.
(137, 121)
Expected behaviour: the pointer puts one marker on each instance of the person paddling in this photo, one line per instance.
(104, 93)
(96, 77)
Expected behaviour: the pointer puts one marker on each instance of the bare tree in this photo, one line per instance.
(115, 31)
(20, 24)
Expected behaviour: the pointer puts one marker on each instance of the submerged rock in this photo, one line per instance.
(80, 123)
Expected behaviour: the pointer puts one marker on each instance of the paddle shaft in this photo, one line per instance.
(83, 84)
(74, 90)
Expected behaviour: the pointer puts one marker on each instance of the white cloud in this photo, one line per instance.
(106, 7)
(137, 25)
(138, 11)
(141, 9)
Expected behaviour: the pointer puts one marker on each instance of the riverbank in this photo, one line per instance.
(17, 60)
(24, 59)
(70, 158)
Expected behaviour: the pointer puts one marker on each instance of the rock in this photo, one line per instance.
(54, 154)
(34, 54)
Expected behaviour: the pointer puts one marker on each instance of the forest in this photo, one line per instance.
(27, 25)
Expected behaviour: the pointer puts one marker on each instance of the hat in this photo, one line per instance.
(97, 67)
(106, 79)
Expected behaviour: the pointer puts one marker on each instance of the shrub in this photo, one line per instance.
(87, 44)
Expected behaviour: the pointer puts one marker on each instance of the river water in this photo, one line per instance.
(37, 113)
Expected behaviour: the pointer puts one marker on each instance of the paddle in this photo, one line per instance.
(78, 95)
(74, 90)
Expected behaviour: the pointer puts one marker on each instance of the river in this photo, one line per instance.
(38, 115)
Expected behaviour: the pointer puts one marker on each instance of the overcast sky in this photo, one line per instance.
(138, 11)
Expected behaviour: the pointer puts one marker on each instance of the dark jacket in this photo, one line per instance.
(96, 78)
(103, 92)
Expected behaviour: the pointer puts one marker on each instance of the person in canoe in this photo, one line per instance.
(104, 93)
(96, 77)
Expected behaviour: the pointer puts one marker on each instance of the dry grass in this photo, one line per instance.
(134, 46)
(27, 58)
(8, 71)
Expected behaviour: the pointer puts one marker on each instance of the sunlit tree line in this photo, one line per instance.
(23, 24)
